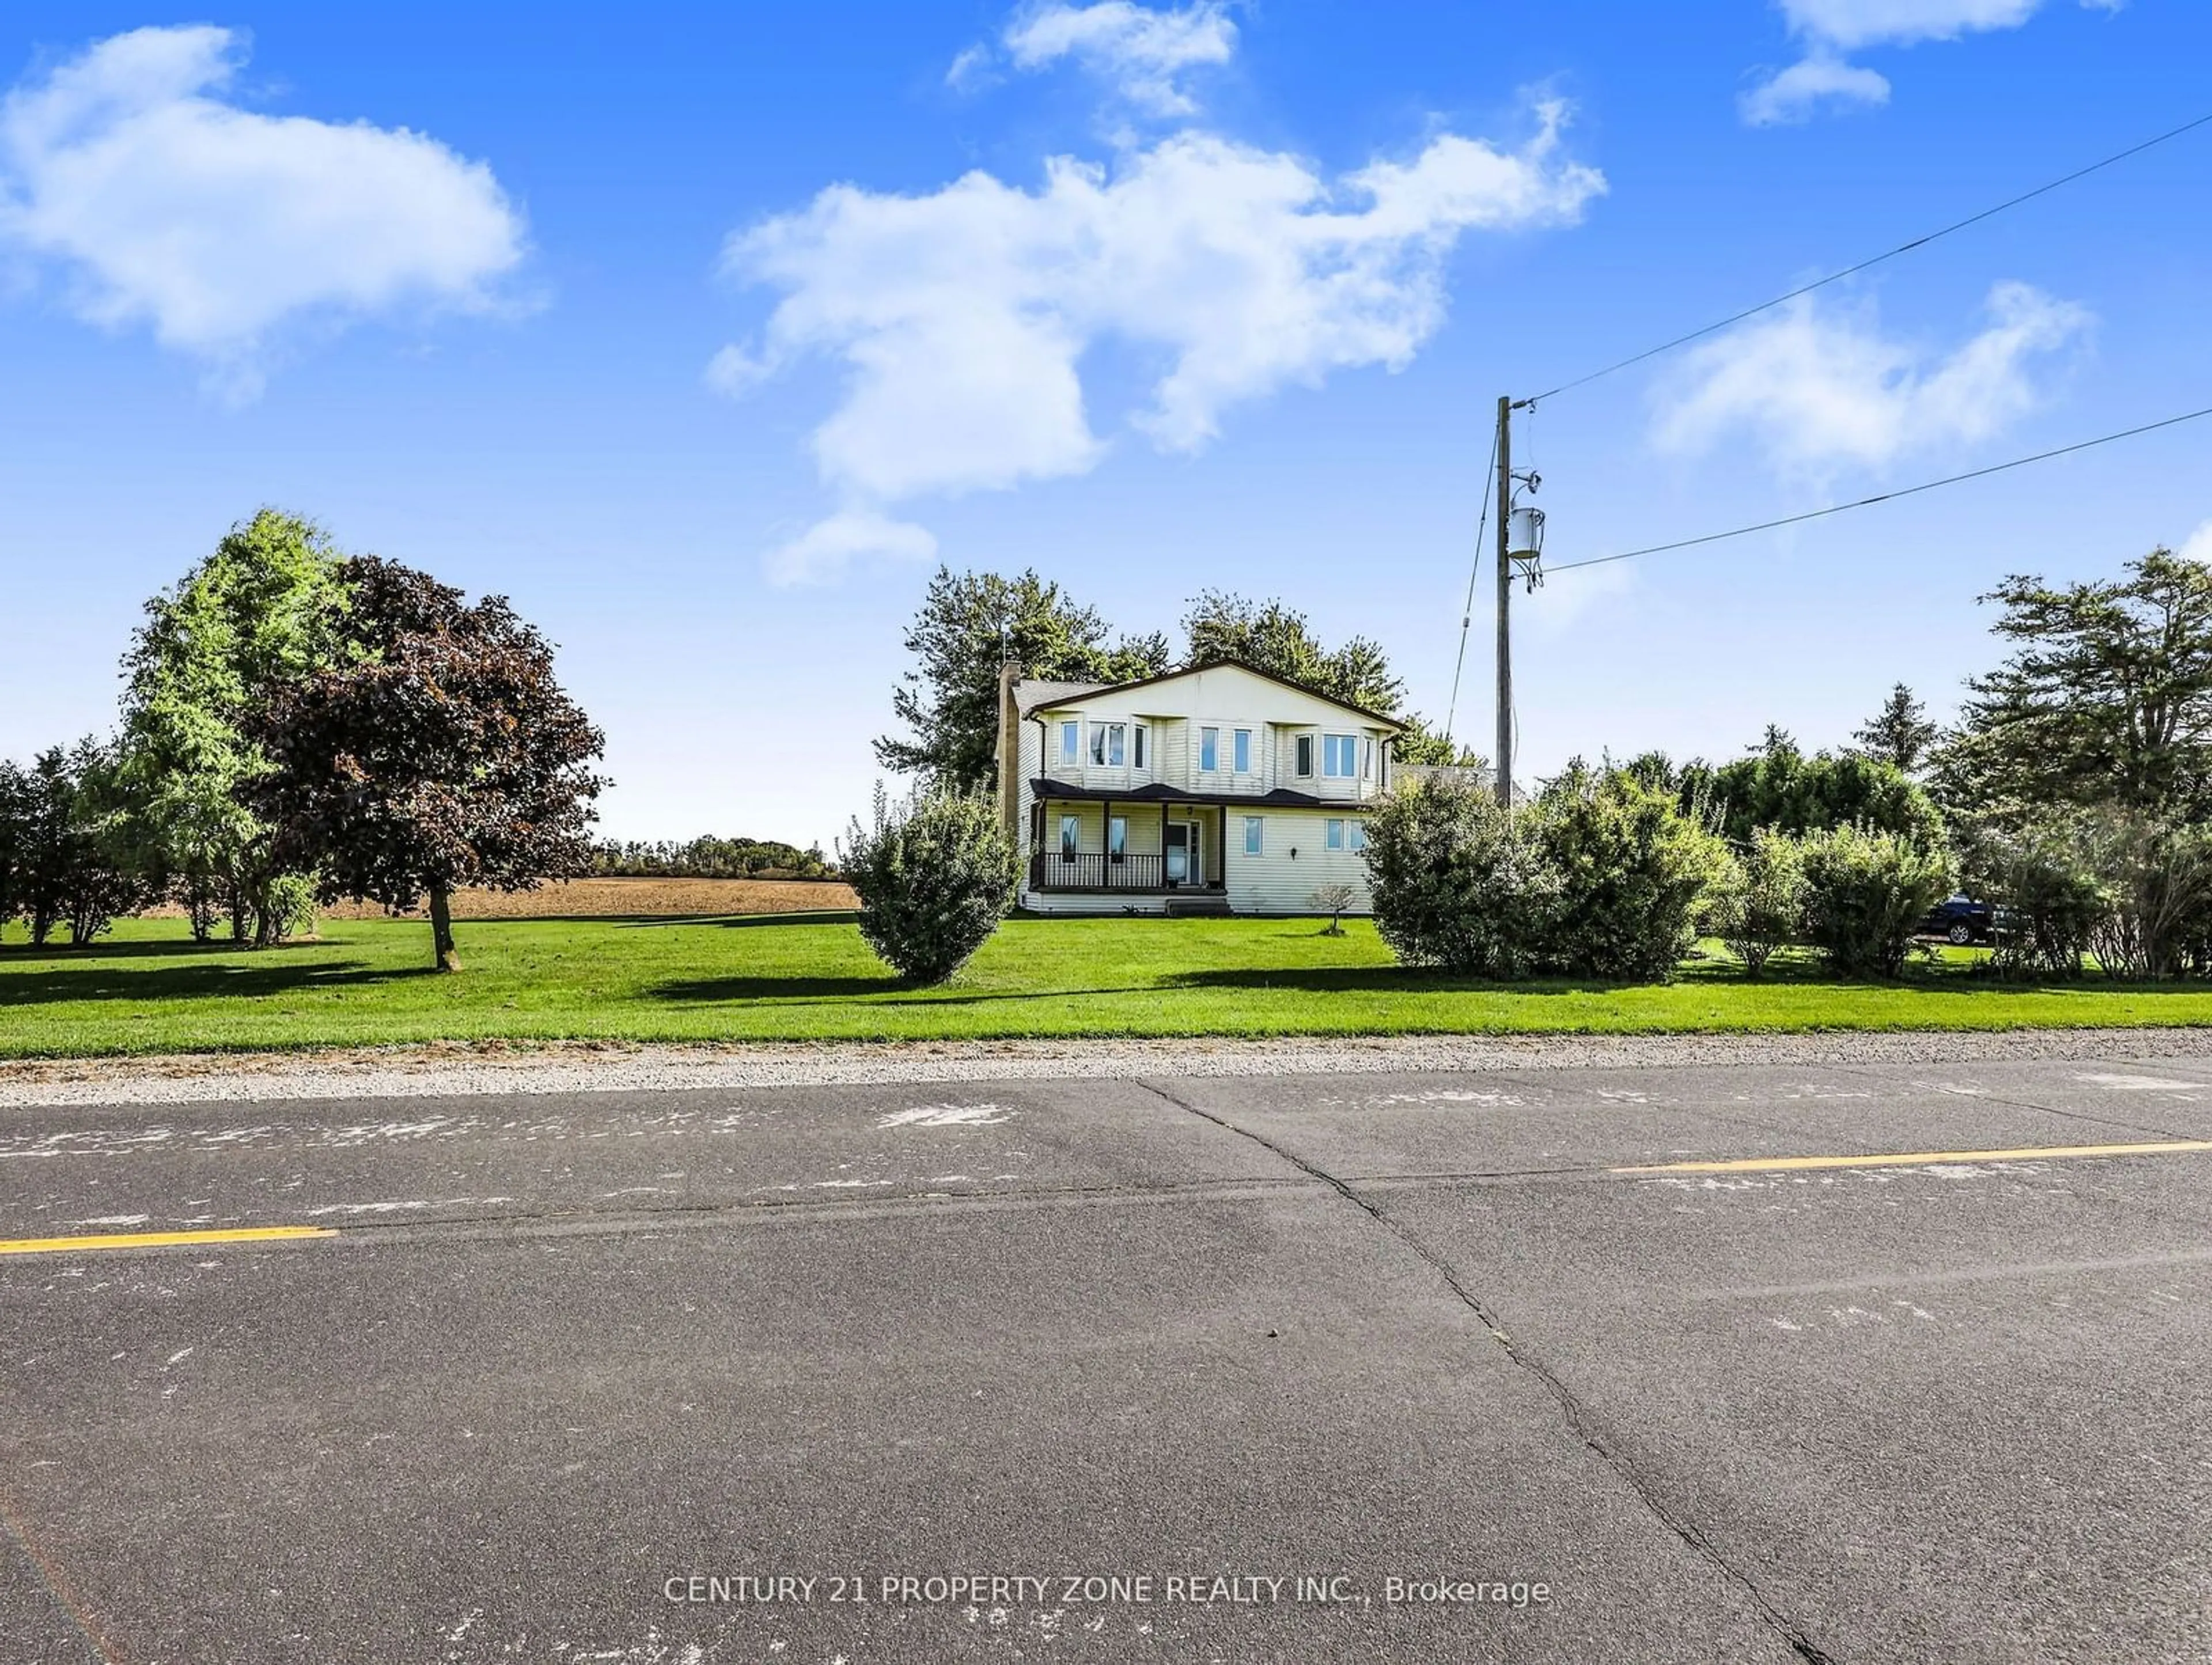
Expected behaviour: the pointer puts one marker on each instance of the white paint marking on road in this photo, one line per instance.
(114, 1220)
(2137, 1084)
(946, 1115)
(178, 1357)
(399, 1207)
(847, 1184)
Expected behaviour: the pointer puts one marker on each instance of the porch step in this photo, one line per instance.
(1187, 907)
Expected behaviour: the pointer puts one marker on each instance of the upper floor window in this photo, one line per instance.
(1367, 760)
(1340, 756)
(1241, 746)
(1109, 743)
(1139, 757)
(1302, 755)
(1209, 749)
(1071, 743)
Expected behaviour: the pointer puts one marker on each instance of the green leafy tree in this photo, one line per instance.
(935, 876)
(2041, 879)
(263, 609)
(1865, 894)
(68, 860)
(16, 822)
(1762, 902)
(1421, 745)
(968, 626)
(1778, 787)
(1899, 734)
(439, 752)
(1634, 874)
(2106, 698)
(1272, 637)
(1458, 884)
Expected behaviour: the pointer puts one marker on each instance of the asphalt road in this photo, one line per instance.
(559, 1357)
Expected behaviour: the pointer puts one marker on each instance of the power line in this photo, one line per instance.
(1884, 497)
(1466, 613)
(1891, 254)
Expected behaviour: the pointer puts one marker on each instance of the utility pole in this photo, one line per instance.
(1505, 602)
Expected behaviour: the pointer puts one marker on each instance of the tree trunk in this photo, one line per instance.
(442, 929)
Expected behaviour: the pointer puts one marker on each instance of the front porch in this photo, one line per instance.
(1106, 847)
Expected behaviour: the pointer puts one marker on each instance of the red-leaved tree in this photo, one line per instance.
(439, 753)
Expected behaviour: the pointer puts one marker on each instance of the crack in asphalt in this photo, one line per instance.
(2094, 1120)
(1581, 1419)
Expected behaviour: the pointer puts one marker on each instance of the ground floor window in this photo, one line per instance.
(1333, 836)
(1254, 825)
(1360, 835)
(1070, 836)
(1117, 837)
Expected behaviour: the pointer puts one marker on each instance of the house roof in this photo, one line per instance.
(1062, 692)
(1282, 798)
(1031, 693)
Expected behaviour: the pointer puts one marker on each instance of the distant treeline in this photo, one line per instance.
(710, 858)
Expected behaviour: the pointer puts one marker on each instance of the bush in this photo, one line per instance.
(935, 876)
(2048, 899)
(1457, 883)
(1634, 873)
(1762, 902)
(1865, 894)
(2156, 877)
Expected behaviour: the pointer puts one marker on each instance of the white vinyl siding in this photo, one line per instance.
(1277, 882)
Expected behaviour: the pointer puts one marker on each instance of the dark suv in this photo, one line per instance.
(1960, 919)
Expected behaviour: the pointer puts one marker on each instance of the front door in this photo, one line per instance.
(1178, 837)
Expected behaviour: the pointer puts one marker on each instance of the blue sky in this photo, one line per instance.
(703, 332)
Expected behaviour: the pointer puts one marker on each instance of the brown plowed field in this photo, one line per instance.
(585, 898)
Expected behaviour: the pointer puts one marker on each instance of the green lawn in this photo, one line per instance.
(804, 977)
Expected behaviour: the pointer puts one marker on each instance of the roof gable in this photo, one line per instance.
(1090, 693)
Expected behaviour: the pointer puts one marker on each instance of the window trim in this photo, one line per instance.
(1301, 757)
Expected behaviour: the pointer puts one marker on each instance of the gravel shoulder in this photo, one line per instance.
(452, 1069)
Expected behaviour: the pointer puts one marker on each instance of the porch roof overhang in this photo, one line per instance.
(1155, 793)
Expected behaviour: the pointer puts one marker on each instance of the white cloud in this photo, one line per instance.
(217, 225)
(1818, 391)
(1801, 90)
(1850, 24)
(824, 550)
(962, 317)
(1830, 28)
(1141, 52)
(2199, 546)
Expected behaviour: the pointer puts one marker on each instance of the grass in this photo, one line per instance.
(808, 976)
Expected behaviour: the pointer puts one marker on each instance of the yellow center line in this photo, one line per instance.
(1919, 1159)
(240, 1234)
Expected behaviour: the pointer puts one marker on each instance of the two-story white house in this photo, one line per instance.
(1219, 789)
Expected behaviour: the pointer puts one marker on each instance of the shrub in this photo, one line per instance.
(2048, 899)
(935, 875)
(1633, 871)
(1333, 899)
(1865, 894)
(2156, 877)
(1762, 903)
(1457, 883)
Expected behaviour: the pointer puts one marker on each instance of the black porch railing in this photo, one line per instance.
(1050, 870)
